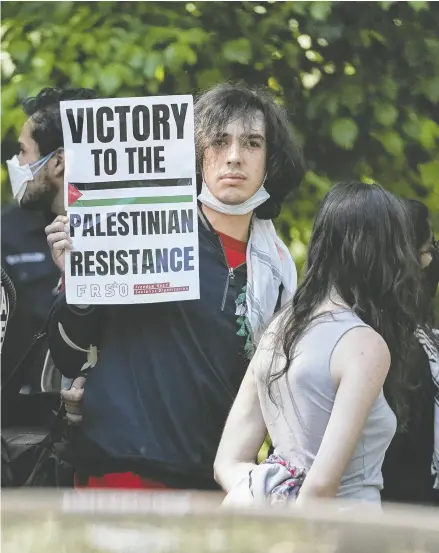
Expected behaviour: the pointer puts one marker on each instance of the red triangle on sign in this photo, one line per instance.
(73, 194)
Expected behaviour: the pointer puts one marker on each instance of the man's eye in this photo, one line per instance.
(219, 142)
(255, 144)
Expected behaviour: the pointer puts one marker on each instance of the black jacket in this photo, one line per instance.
(27, 261)
(407, 465)
(157, 400)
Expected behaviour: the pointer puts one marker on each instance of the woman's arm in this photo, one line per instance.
(359, 366)
(243, 435)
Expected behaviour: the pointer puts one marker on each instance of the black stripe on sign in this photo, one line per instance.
(116, 185)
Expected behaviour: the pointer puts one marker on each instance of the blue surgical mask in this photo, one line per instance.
(20, 175)
(259, 197)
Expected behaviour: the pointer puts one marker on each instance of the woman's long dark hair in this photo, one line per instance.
(361, 247)
(420, 219)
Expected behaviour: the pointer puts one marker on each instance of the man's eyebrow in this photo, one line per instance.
(254, 135)
(250, 136)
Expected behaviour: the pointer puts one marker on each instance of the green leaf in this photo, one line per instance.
(89, 80)
(344, 132)
(89, 44)
(19, 50)
(238, 51)
(103, 50)
(43, 63)
(152, 61)
(320, 10)
(386, 5)
(429, 133)
(208, 77)
(419, 5)
(273, 84)
(430, 173)
(159, 73)
(352, 96)
(389, 87)
(411, 127)
(430, 87)
(109, 79)
(292, 54)
(196, 37)
(323, 184)
(135, 57)
(9, 96)
(332, 105)
(386, 114)
(414, 53)
(177, 54)
(392, 142)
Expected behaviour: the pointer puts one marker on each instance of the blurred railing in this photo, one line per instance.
(171, 522)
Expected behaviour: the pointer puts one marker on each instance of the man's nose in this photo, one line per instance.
(234, 153)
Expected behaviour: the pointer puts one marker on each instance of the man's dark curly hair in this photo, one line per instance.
(44, 109)
(223, 103)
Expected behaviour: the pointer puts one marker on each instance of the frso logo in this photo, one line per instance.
(93, 290)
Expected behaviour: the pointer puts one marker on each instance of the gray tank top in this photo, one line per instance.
(304, 401)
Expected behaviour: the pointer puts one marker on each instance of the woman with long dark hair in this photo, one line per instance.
(316, 380)
(411, 465)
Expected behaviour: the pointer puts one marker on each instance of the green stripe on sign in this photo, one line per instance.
(138, 201)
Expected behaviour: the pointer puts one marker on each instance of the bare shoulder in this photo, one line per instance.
(361, 350)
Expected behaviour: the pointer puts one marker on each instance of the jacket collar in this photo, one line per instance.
(204, 220)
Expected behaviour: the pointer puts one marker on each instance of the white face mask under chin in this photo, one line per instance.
(208, 199)
(20, 175)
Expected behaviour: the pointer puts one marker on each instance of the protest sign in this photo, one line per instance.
(130, 195)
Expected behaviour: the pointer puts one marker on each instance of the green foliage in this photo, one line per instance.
(344, 132)
(359, 80)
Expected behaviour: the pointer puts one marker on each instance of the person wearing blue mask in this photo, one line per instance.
(37, 179)
(37, 172)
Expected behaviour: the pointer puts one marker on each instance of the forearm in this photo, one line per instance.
(312, 490)
(228, 474)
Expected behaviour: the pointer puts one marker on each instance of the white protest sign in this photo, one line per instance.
(130, 192)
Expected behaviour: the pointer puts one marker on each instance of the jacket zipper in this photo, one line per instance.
(230, 276)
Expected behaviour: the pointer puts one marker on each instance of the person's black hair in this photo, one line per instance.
(44, 109)
(215, 108)
(420, 221)
(419, 217)
(362, 248)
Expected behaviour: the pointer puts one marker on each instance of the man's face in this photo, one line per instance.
(234, 165)
(41, 191)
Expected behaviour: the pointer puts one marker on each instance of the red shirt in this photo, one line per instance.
(235, 250)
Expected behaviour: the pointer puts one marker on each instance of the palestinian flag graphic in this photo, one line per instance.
(73, 194)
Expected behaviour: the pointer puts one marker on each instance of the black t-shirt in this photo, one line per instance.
(407, 465)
